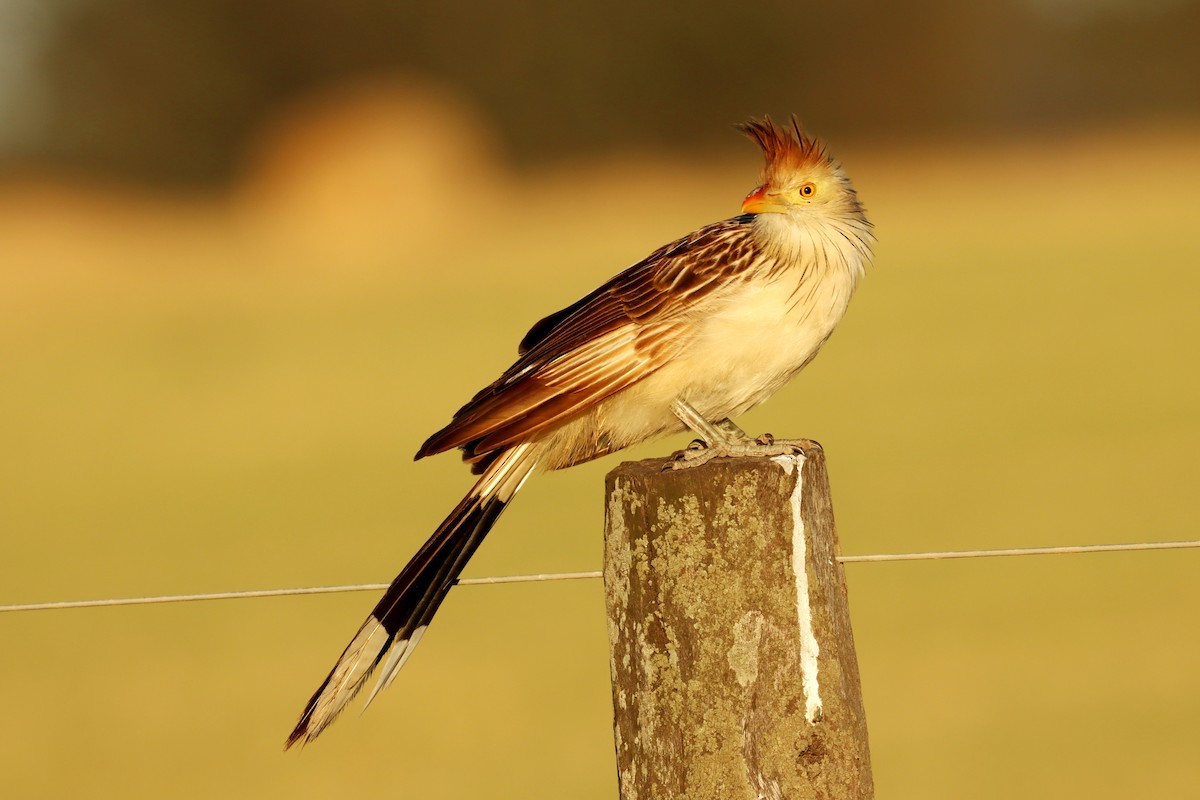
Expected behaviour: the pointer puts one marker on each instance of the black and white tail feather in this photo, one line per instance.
(398, 621)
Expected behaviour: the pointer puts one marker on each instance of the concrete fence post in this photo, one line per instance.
(733, 665)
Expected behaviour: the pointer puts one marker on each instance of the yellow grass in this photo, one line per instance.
(225, 393)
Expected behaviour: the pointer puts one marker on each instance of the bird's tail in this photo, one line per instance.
(401, 616)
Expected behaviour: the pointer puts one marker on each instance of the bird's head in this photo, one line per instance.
(800, 177)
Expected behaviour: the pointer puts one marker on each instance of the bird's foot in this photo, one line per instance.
(796, 445)
(699, 452)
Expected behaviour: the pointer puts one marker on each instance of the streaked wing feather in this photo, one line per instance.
(612, 338)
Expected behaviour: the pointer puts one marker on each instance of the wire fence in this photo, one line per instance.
(565, 576)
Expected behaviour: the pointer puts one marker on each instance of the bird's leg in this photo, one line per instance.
(709, 433)
(724, 439)
(732, 432)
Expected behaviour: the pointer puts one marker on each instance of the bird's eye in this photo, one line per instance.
(808, 190)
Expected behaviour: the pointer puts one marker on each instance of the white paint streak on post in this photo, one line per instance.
(810, 648)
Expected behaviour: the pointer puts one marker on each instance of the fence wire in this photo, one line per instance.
(567, 576)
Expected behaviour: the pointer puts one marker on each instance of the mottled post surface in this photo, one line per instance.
(733, 666)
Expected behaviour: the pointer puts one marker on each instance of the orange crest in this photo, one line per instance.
(787, 151)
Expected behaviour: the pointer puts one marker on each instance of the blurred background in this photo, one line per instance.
(253, 252)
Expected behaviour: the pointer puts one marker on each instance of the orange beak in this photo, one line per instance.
(761, 201)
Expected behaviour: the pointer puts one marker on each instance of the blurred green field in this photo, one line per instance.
(216, 394)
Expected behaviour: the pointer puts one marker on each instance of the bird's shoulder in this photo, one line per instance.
(679, 270)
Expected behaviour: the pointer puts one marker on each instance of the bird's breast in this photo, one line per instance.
(756, 339)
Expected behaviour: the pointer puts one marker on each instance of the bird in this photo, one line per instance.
(691, 336)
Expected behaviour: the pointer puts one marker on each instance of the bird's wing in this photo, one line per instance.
(612, 338)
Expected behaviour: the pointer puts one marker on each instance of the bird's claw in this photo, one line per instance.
(695, 449)
(699, 453)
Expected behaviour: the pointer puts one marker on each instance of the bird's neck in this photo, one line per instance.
(832, 243)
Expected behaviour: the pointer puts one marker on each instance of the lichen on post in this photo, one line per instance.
(733, 664)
